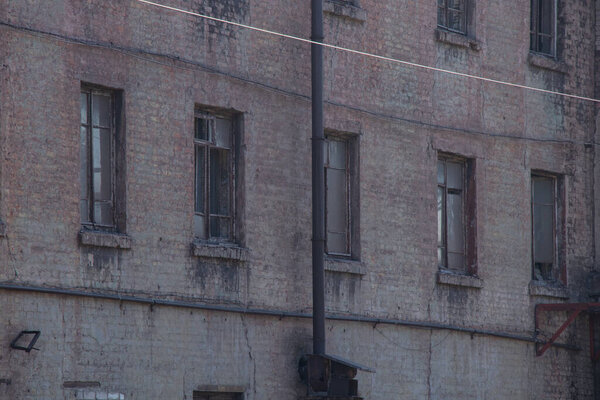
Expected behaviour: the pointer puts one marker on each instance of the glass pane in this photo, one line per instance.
(201, 127)
(545, 44)
(455, 224)
(83, 163)
(219, 182)
(455, 4)
(223, 134)
(441, 3)
(441, 257)
(336, 243)
(546, 16)
(101, 161)
(200, 179)
(456, 261)
(84, 210)
(543, 233)
(337, 154)
(101, 115)
(440, 172)
(440, 212)
(441, 16)
(337, 204)
(83, 100)
(220, 227)
(455, 178)
(103, 212)
(543, 190)
(199, 226)
(454, 20)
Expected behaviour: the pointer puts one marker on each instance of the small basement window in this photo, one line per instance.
(198, 395)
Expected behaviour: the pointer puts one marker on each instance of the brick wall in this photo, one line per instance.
(166, 64)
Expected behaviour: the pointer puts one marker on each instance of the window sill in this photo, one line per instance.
(456, 39)
(346, 10)
(546, 62)
(224, 251)
(347, 266)
(445, 277)
(104, 239)
(543, 289)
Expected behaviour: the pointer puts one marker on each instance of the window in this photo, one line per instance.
(456, 214)
(452, 15)
(214, 177)
(543, 26)
(341, 197)
(546, 227)
(99, 139)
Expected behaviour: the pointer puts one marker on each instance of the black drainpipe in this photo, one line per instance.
(318, 179)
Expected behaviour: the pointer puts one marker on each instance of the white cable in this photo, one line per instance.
(362, 53)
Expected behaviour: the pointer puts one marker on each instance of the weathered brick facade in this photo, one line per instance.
(237, 317)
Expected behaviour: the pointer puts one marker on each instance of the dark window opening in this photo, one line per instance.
(456, 214)
(98, 127)
(452, 15)
(198, 395)
(543, 26)
(546, 228)
(214, 182)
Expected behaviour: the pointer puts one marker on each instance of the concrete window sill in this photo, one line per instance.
(354, 267)
(456, 39)
(545, 62)
(222, 251)
(344, 9)
(543, 289)
(104, 239)
(455, 279)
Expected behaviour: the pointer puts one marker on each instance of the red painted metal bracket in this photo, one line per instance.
(574, 310)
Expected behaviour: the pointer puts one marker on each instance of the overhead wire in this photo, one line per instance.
(372, 55)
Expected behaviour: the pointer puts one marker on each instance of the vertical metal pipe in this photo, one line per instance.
(318, 179)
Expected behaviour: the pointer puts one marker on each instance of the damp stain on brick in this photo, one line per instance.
(215, 279)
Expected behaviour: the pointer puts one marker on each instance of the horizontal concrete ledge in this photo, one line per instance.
(80, 384)
(353, 267)
(221, 389)
(450, 278)
(228, 252)
(273, 313)
(456, 39)
(104, 239)
(545, 62)
(537, 288)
